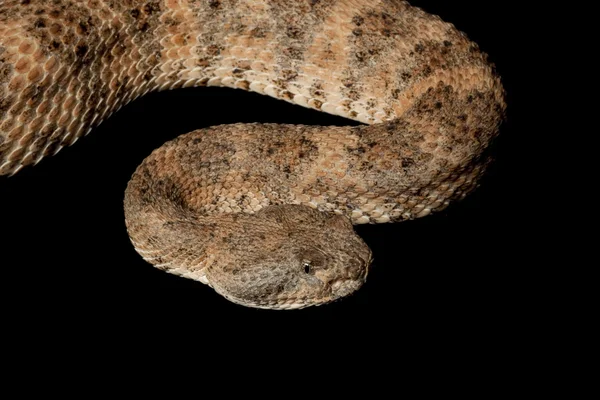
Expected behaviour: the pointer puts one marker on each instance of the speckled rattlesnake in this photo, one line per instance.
(261, 213)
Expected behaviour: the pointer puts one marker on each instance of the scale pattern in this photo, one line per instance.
(430, 101)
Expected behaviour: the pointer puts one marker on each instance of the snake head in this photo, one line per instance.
(289, 257)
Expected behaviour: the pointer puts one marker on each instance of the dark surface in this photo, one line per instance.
(69, 268)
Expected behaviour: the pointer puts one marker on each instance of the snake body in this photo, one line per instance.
(261, 213)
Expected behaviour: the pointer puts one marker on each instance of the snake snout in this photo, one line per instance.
(355, 274)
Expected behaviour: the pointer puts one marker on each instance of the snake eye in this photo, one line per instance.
(307, 267)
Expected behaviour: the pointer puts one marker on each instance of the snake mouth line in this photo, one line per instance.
(275, 304)
(333, 292)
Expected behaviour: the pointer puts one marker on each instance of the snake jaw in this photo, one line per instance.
(328, 292)
(287, 303)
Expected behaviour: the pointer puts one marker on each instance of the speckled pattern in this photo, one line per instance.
(220, 205)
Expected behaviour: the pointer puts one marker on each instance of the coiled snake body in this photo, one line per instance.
(261, 213)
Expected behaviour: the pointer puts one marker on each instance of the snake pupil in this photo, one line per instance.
(306, 267)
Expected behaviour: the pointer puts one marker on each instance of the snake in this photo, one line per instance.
(262, 213)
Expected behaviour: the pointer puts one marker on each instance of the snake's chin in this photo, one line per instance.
(338, 290)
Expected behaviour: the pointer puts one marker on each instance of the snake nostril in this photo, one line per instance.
(354, 268)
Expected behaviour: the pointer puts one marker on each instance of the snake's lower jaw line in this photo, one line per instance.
(331, 292)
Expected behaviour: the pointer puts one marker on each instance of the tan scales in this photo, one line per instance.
(259, 212)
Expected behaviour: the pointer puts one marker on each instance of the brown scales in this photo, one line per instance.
(259, 212)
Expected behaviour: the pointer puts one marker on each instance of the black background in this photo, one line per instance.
(68, 266)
